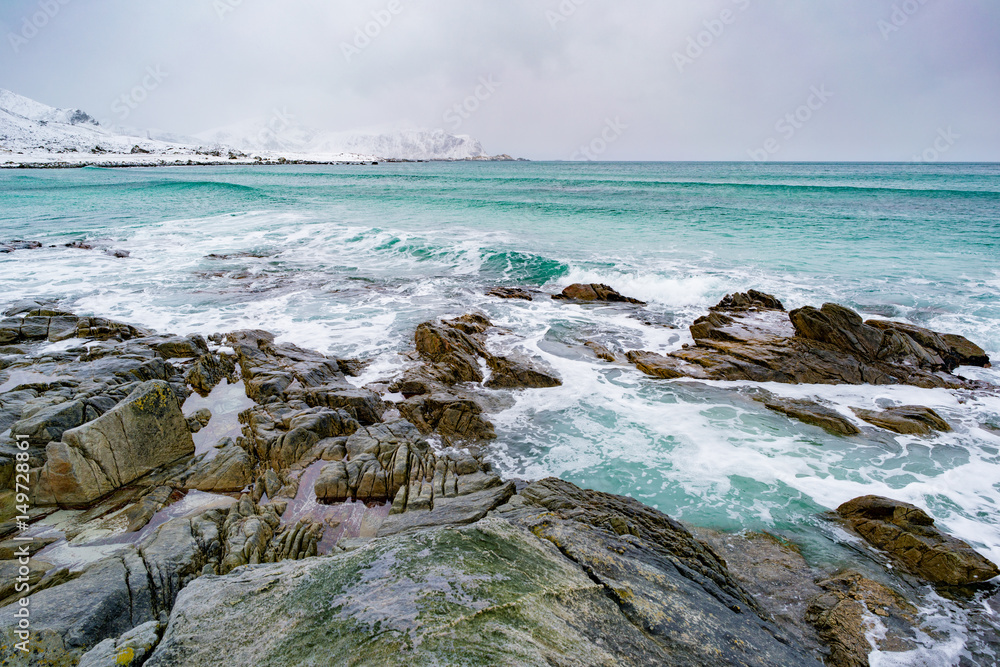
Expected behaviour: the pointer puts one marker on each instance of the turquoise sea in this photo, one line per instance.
(348, 259)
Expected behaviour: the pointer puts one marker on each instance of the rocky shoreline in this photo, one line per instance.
(193, 497)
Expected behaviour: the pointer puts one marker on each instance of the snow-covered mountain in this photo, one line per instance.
(32, 133)
(279, 134)
(27, 126)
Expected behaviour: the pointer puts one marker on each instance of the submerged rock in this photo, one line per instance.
(909, 534)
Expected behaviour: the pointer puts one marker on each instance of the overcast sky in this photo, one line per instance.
(627, 79)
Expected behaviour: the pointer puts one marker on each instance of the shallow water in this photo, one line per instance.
(349, 259)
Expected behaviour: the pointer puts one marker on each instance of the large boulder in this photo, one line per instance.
(230, 470)
(143, 432)
(909, 534)
(488, 593)
(679, 592)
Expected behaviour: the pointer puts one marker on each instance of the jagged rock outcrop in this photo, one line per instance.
(279, 434)
(275, 372)
(907, 419)
(594, 292)
(454, 352)
(749, 300)
(247, 533)
(143, 432)
(379, 460)
(54, 326)
(393, 462)
(362, 405)
(829, 345)
(208, 371)
(909, 534)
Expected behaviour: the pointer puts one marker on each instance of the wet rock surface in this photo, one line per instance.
(906, 532)
(906, 419)
(846, 612)
(438, 592)
(595, 292)
(809, 412)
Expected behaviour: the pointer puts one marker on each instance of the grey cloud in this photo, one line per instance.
(893, 88)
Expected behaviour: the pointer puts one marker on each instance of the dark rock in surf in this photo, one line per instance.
(749, 300)
(809, 412)
(828, 345)
(841, 615)
(909, 534)
(510, 293)
(595, 292)
(906, 419)
(602, 352)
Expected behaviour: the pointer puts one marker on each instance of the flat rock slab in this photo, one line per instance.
(909, 534)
